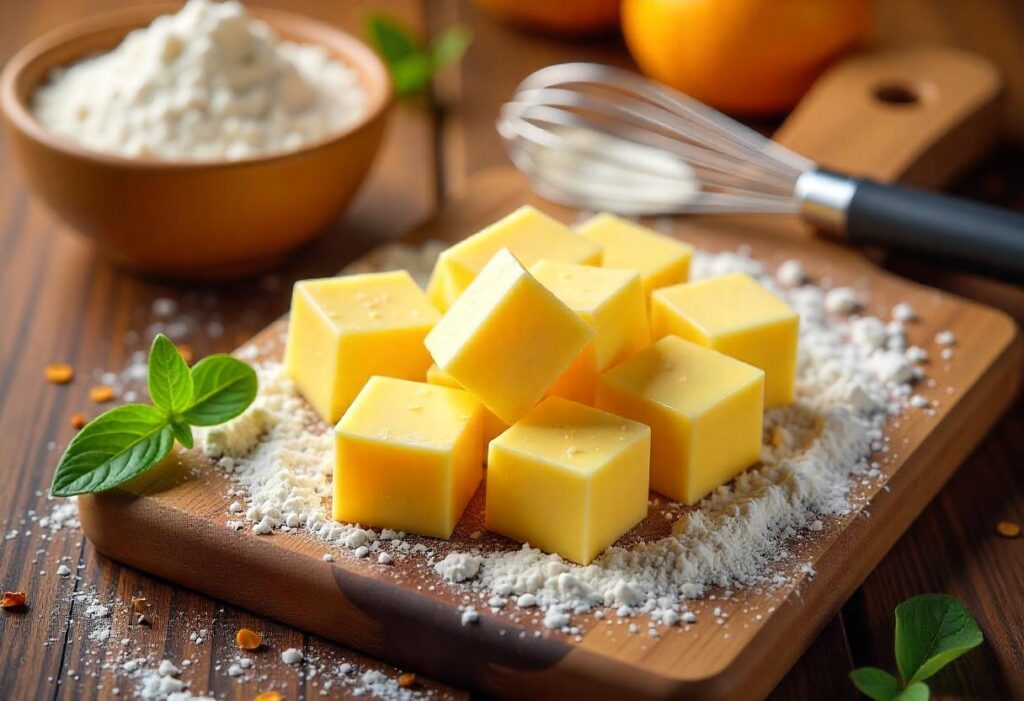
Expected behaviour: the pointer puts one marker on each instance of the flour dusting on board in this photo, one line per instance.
(853, 372)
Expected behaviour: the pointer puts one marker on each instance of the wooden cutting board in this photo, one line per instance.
(172, 521)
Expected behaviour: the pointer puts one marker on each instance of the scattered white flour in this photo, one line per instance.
(291, 656)
(458, 567)
(904, 312)
(63, 515)
(842, 300)
(791, 273)
(853, 371)
(203, 84)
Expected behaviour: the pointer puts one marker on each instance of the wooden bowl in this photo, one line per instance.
(191, 219)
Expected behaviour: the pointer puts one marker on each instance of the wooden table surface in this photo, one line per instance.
(61, 303)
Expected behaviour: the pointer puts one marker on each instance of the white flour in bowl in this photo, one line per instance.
(854, 372)
(207, 83)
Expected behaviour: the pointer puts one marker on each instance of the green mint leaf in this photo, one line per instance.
(410, 64)
(450, 45)
(182, 433)
(411, 74)
(170, 383)
(918, 691)
(876, 684)
(932, 630)
(111, 449)
(391, 39)
(224, 388)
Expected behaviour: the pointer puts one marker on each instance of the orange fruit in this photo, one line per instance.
(741, 56)
(556, 16)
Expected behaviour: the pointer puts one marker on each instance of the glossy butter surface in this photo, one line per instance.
(736, 315)
(343, 330)
(507, 339)
(527, 232)
(660, 260)
(704, 408)
(610, 300)
(568, 479)
(408, 456)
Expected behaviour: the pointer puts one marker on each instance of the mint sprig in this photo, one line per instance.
(932, 630)
(412, 64)
(130, 439)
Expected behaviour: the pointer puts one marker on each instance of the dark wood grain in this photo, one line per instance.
(59, 302)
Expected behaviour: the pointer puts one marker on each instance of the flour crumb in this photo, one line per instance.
(842, 300)
(904, 312)
(291, 656)
(791, 273)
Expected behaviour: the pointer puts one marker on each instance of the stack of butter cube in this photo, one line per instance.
(581, 366)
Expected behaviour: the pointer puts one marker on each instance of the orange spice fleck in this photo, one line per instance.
(406, 680)
(101, 393)
(185, 351)
(59, 373)
(248, 639)
(13, 600)
(269, 696)
(78, 420)
(1008, 529)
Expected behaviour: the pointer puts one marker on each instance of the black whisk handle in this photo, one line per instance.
(985, 238)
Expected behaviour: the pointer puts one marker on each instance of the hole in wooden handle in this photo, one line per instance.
(898, 94)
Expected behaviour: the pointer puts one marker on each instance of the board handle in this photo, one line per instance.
(920, 116)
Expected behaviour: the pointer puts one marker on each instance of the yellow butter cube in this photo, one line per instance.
(660, 260)
(704, 408)
(408, 456)
(579, 381)
(343, 330)
(612, 301)
(568, 479)
(735, 315)
(507, 338)
(527, 232)
(493, 426)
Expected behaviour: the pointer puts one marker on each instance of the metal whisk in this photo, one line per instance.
(602, 138)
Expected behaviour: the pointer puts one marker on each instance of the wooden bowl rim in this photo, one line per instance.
(371, 73)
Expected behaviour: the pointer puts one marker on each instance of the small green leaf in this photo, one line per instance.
(170, 384)
(875, 683)
(450, 45)
(113, 448)
(182, 433)
(412, 73)
(918, 691)
(391, 39)
(932, 630)
(411, 65)
(224, 388)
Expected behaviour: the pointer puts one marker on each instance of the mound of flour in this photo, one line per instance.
(203, 84)
(853, 371)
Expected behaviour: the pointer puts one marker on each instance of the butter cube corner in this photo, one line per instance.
(408, 456)
(610, 300)
(661, 260)
(343, 330)
(704, 408)
(734, 314)
(507, 339)
(527, 232)
(568, 479)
